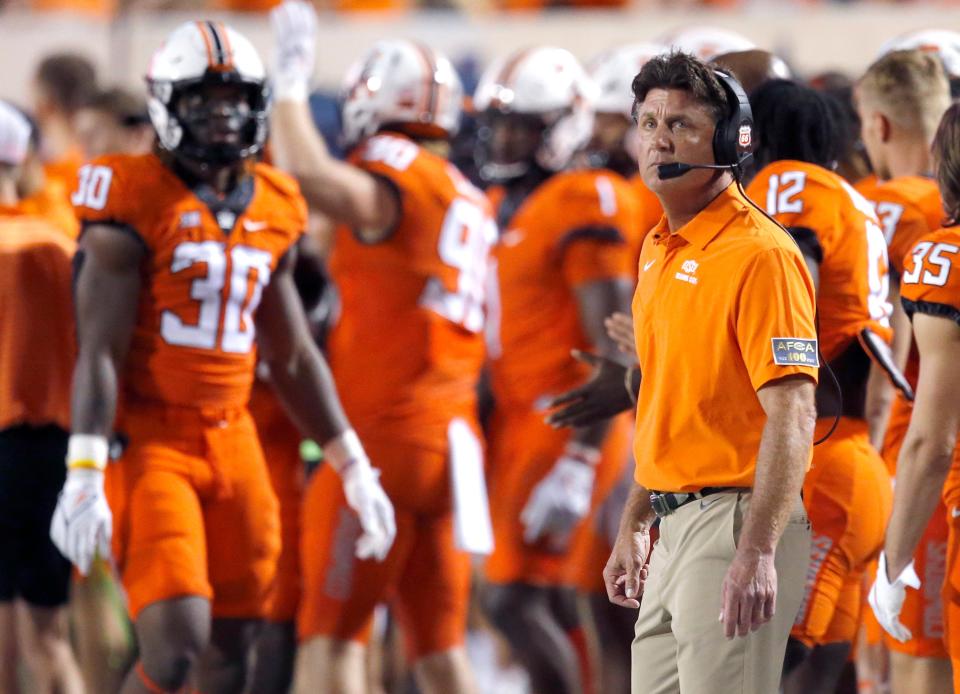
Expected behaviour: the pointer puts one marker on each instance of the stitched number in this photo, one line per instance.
(889, 214)
(934, 256)
(783, 191)
(465, 240)
(878, 274)
(248, 266)
(93, 187)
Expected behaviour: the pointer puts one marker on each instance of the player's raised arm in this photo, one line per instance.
(107, 292)
(343, 192)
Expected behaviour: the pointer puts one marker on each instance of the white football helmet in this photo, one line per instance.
(706, 43)
(613, 72)
(945, 44)
(548, 83)
(401, 82)
(199, 55)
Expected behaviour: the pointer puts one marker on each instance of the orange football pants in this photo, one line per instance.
(922, 611)
(848, 495)
(280, 441)
(193, 510)
(424, 577)
(522, 451)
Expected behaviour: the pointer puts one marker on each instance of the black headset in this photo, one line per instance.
(733, 137)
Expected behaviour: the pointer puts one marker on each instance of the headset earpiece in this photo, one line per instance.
(733, 138)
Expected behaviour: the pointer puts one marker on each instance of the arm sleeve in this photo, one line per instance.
(596, 253)
(775, 317)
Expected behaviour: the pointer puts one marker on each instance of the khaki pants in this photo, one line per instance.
(679, 644)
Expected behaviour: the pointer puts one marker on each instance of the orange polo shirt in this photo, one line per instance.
(724, 306)
(37, 347)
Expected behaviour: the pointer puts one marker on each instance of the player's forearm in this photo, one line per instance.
(922, 468)
(781, 465)
(94, 396)
(638, 514)
(306, 388)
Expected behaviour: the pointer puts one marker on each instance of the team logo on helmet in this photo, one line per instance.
(745, 137)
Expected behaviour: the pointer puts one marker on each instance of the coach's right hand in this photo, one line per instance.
(626, 571)
(82, 524)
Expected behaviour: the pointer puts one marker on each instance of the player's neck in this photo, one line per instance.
(223, 179)
(58, 139)
(909, 158)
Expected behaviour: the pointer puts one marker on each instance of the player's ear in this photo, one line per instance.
(884, 127)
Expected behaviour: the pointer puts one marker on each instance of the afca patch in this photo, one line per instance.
(795, 351)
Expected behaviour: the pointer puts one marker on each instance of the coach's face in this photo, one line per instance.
(674, 127)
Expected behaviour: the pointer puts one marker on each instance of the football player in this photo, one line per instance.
(566, 258)
(36, 355)
(187, 258)
(928, 466)
(409, 260)
(900, 100)
(847, 490)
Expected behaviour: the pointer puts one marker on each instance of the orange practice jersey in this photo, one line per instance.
(575, 228)
(931, 284)
(37, 349)
(854, 279)
(408, 348)
(193, 343)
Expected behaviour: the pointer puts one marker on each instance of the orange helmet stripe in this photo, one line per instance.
(202, 27)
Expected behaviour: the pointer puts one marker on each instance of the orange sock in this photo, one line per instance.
(578, 638)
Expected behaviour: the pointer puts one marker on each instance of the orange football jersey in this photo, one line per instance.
(649, 210)
(908, 208)
(931, 284)
(854, 274)
(408, 347)
(203, 274)
(575, 228)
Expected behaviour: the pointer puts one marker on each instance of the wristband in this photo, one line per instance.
(345, 450)
(88, 452)
(588, 455)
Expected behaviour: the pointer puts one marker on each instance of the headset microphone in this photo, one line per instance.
(676, 169)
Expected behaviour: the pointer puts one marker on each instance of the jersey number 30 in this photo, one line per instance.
(245, 264)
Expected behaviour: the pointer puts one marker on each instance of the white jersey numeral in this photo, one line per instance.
(247, 266)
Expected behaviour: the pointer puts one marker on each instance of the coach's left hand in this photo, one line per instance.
(749, 592)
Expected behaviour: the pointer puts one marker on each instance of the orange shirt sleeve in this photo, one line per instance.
(911, 226)
(775, 318)
(931, 278)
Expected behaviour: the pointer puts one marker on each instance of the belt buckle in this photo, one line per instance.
(659, 504)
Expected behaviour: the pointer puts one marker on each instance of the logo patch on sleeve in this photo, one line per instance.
(795, 351)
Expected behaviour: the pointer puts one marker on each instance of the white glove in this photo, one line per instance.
(82, 524)
(886, 598)
(361, 486)
(559, 501)
(294, 50)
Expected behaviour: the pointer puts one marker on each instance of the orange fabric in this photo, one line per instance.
(190, 351)
(578, 226)
(908, 207)
(711, 300)
(951, 594)
(193, 510)
(848, 496)
(37, 347)
(65, 169)
(407, 350)
(523, 449)
(101, 8)
(426, 579)
(280, 441)
(798, 194)
(53, 203)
